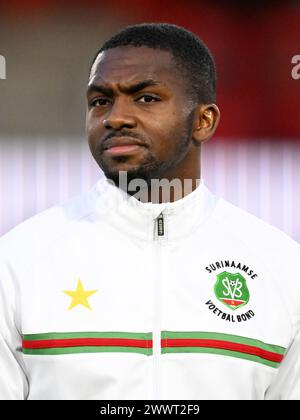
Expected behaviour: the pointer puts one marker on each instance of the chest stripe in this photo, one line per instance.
(223, 344)
(66, 343)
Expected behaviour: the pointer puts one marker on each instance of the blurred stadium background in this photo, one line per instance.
(254, 159)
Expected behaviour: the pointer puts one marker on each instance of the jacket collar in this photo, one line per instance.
(138, 219)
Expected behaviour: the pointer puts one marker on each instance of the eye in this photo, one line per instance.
(99, 102)
(148, 99)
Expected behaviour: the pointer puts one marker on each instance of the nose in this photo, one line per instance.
(119, 116)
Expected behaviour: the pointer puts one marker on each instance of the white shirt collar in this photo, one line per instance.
(137, 218)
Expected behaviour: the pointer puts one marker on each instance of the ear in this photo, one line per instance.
(206, 120)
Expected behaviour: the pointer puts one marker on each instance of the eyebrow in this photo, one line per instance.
(129, 90)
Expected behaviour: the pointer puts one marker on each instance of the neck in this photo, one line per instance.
(176, 183)
(168, 191)
(171, 186)
(162, 190)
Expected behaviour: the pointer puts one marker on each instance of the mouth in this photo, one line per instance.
(120, 150)
(122, 145)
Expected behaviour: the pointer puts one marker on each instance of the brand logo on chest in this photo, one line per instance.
(231, 290)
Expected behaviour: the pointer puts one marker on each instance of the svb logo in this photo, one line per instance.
(231, 290)
(2, 67)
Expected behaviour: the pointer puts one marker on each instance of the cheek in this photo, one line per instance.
(162, 124)
(94, 129)
(168, 132)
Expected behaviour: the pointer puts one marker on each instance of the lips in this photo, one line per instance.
(120, 145)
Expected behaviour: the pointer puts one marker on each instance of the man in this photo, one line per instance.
(148, 286)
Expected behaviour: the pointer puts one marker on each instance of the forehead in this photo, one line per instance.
(128, 64)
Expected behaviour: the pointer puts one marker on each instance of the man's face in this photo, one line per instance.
(139, 118)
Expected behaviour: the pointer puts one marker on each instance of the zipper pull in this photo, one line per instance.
(160, 225)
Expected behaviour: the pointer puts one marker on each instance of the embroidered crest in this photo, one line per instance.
(231, 290)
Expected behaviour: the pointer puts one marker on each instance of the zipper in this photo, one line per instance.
(159, 235)
(160, 225)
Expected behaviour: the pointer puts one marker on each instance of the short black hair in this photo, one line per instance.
(190, 53)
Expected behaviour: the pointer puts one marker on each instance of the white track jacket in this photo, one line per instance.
(107, 297)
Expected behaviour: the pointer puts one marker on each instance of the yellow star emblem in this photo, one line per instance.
(79, 296)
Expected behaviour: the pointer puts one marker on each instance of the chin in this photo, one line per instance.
(146, 169)
(123, 176)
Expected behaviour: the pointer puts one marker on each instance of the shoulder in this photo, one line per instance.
(253, 229)
(49, 226)
(278, 252)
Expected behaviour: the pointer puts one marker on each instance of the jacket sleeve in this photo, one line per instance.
(286, 385)
(13, 381)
